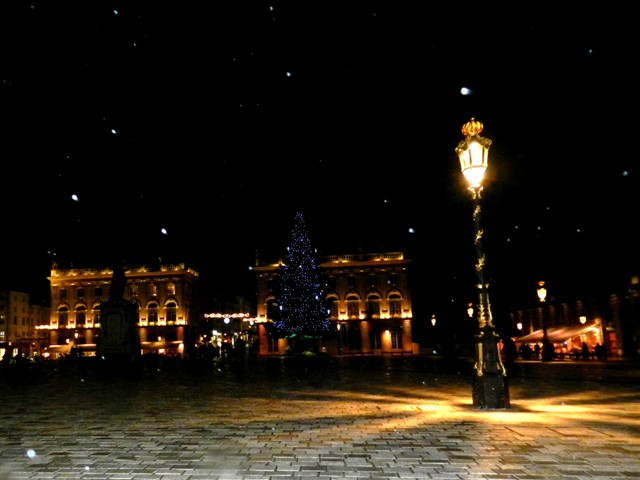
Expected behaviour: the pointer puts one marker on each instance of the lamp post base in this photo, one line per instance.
(490, 385)
(490, 392)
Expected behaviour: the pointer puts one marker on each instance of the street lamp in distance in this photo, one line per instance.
(490, 386)
(548, 350)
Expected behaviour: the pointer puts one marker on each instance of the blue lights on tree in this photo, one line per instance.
(301, 299)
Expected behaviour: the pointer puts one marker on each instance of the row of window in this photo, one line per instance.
(134, 290)
(15, 321)
(372, 305)
(171, 311)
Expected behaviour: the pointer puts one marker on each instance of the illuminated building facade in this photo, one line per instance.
(368, 300)
(19, 336)
(168, 307)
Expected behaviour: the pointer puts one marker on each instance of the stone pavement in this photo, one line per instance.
(318, 418)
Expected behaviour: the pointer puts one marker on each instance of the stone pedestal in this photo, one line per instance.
(118, 341)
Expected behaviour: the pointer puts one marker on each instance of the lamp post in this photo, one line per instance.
(490, 387)
(548, 350)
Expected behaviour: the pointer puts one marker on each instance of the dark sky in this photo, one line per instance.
(217, 121)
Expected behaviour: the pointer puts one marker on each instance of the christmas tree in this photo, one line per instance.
(302, 310)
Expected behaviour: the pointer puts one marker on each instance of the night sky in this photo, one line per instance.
(193, 131)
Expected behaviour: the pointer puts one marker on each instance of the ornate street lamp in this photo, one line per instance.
(490, 387)
(548, 350)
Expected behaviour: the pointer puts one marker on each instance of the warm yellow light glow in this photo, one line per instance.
(226, 315)
(519, 325)
(542, 292)
(473, 153)
(433, 320)
(583, 319)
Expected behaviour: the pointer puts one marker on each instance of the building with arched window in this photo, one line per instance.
(167, 300)
(368, 302)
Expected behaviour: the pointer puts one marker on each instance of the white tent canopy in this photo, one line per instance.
(557, 335)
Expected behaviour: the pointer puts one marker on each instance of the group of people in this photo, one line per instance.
(546, 351)
(599, 352)
(227, 349)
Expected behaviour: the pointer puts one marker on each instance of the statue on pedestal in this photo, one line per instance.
(119, 340)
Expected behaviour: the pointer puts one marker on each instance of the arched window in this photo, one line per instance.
(373, 306)
(395, 305)
(81, 315)
(63, 316)
(332, 303)
(172, 312)
(152, 309)
(96, 314)
(353, 306)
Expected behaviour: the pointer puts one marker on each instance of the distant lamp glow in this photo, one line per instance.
(583, 319)
(519, 326)
(470, 310)
(466, 91)
(433, 320)
(542, 291)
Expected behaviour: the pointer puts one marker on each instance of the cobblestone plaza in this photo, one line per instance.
(318, 418)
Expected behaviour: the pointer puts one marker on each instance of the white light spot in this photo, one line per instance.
(289, 74)
(31, 453)
(625, 173)
(466, 91)
(113, 131)
(75, 198)
(164, 231)
(412, 230)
